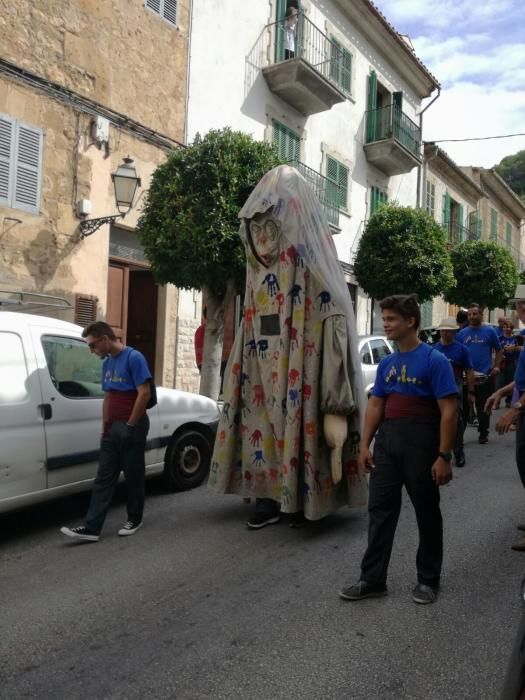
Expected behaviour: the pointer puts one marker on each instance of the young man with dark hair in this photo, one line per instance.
(485, 354)
(413, 410)
(462, 318)
(127, 390)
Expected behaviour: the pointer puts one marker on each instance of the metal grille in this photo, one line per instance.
(170, 11)
(391, 122)
(6, 143)
(85, 309)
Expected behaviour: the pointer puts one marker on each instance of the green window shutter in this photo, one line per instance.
(397, 99)
(286, 142)
(460, 223)
(337, 187)
(335, 59)
(508, 230)
(493, 225)
(7, 150)
(480, 228)
(340, 65)
(371, 121)
(346, 71)
(377, 198)
(446, 213)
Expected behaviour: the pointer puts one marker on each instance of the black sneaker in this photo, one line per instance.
(362, 590)
(129, 528)
(80, 533)
(297, 520)
(424, 594)
(262, 520)
(459, 458)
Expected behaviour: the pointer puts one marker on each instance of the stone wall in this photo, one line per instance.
(116, 52)
(187, 374)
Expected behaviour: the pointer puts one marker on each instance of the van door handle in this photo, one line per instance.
(46, 410)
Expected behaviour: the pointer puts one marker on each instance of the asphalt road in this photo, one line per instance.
(196, 606)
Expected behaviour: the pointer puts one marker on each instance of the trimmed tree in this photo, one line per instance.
(190, 221)
(403, 251)
(485, 273)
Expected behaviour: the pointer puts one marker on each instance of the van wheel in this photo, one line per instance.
(187, 461)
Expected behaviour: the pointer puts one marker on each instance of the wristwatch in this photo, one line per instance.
(447, 456)
(517, 405)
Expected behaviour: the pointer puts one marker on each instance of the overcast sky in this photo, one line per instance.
(477, 53)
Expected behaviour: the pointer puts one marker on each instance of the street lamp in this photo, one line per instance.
(125, 183)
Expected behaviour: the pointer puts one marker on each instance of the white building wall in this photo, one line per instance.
(229, 46)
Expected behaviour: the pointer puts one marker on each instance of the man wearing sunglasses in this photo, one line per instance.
(127, 390)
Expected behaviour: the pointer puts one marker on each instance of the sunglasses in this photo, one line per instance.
(94, 344)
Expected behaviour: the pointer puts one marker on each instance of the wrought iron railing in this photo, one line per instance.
(313, 46)
(457, 233)
(391, 122)
(327, 192)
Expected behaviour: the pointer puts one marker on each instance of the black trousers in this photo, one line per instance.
(520, 446)
(122, 449)
(482, 393)
(404, 452)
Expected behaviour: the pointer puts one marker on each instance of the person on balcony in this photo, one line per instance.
(290, 25)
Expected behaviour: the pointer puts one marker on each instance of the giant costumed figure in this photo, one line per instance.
(293, 397)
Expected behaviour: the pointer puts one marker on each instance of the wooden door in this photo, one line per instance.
(117, 306)
(142, 314)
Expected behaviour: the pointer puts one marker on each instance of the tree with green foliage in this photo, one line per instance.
(512, 170)
(190, 222)
(403, 251)
(485, 273)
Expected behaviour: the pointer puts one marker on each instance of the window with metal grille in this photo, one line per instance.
(85, 309)
(377, 197)
(431, 198)
(337, 187)
(167, 9)
(340, 66)
(508, 234)
(493, 225)
(286, 142)
(20, 165)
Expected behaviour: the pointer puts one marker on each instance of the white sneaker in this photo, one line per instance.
(129, 528)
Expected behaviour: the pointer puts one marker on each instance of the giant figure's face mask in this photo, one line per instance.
(264, 235)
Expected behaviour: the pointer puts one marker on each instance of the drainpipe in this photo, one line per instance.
(188, 69)
(418, 195)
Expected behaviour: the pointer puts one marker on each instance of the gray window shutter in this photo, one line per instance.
(170, 11)
(7, 147)
(154, 5)
(85, 309)
(28, 166)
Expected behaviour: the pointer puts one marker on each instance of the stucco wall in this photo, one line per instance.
(116, 52)
(233, 83)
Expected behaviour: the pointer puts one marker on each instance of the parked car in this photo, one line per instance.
(372, 349)
(51, 416)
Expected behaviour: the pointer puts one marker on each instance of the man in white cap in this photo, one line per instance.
(516, 413)
(459, 357)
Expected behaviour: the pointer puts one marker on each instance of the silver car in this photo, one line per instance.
(372, 349)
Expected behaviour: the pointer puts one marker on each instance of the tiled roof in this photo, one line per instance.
(402, 42)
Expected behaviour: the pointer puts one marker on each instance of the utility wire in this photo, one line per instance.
(477, 138)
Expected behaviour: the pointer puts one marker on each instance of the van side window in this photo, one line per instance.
(13, 368)
(74, 371)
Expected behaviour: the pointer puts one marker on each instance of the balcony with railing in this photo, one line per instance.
(457, 233)
(315, 75)
(327, 192)
(393, 140)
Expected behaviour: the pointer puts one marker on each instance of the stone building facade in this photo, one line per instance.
(84, 84)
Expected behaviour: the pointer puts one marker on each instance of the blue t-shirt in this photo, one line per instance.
(512, 340)
(481, 341)
(422, 372)
(519, 375)
(125, 372)
(457, 354)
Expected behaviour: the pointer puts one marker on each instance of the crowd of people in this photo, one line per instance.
(295, 432)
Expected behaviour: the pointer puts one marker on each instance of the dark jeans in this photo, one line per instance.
(506, 376)
(267, 506)
(404, 452)
(482, 392)
(122, 449)
(520, 446)
(462, 419)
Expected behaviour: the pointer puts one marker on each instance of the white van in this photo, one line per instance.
(51, 416)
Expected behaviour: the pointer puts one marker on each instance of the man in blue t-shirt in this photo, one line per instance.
(126, 381)
(413, 410)
(458, 356)
(485, 354)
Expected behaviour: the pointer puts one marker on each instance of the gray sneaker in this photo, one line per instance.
(362, 590)
(129, 528)
(424, 594)
(80, 533)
